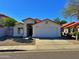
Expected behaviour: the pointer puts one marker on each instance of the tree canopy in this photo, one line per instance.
(59, 21)
(71, 9)
(8, 22)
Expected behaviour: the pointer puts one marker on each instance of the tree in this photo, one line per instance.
(59, 21)
(63, 22)
(8, 22)
(72, 10)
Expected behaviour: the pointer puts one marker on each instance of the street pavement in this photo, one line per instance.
(41, 55)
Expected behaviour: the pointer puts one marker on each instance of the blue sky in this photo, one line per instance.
(20, 9)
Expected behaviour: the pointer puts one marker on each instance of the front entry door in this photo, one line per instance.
(29, 30)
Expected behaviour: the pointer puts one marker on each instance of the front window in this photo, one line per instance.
(20, 30)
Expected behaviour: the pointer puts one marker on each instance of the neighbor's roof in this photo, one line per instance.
(74, 24)
(67, 24)
(2, 15)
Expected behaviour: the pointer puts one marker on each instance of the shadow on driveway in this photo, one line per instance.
(57, 38)
(16, 39)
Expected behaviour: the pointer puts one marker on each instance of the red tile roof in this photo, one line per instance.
(37, 21)
(73, 25)
(65, 25)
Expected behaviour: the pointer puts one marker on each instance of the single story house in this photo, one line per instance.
(37, 28)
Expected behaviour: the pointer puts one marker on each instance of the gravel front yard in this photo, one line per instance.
(15, 41)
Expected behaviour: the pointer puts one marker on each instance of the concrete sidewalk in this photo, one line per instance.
(39, 47)
(20, 47)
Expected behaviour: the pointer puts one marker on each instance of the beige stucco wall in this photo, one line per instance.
(50, 29)
(15, 30)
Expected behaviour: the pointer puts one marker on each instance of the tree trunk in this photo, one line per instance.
(76, 36)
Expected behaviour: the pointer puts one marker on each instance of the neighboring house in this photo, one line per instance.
(2, 30)
(70, 28)
(64, 29)
(37, 28)
(7, 32)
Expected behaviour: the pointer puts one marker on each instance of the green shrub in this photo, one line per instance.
(74, 33)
